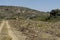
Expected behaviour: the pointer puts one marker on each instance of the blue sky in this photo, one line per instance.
(42, 5)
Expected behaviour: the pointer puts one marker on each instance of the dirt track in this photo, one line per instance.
(6, 33)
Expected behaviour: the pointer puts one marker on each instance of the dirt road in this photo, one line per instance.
(6, 33)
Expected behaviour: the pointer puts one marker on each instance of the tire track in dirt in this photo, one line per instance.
(6, 33)
(2, 24)
(14, 34)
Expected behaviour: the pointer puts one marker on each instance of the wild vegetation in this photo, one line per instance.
(37, 30)
(54, 15)
(15, 12)
(36, 25)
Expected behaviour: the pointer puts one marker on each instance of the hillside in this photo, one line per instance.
(21, 12)
(29, 25)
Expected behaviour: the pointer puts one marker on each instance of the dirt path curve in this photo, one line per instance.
(2, 24)
(13, 34)
(10, 32)
(6, 33)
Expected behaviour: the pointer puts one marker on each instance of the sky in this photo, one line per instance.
(41, 5)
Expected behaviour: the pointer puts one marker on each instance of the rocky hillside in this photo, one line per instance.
(21, 12)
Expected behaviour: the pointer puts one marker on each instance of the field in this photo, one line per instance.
(37, 30)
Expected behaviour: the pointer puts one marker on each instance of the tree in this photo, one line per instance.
(53, 13)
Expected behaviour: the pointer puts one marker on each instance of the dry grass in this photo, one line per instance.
(37, 30)
(6, 38)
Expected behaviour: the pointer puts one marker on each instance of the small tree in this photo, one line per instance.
(53, 13)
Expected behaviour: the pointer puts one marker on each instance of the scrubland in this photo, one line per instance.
(37, 30)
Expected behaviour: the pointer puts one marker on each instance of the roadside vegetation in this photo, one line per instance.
(37, 30)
